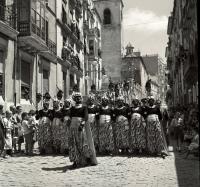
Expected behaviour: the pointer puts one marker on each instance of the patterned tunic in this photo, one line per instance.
(57, 128)
(121, 128)
(93, 111)
(137, 129)
(65, 129)
(81, 145)
(106, 139)
(44, 129)
(155, 139)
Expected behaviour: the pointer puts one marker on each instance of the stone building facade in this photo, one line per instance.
(42, 49)
(92, 46)
(182, 53)
(111, 13)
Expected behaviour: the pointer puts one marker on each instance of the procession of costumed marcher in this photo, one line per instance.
(103, 124)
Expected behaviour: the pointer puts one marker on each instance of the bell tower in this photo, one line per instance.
(111, 13)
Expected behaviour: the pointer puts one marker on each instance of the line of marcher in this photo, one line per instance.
(81, 130)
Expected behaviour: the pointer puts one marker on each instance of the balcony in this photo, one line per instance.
(66, 22)
(76, 65)
(8, 21)
(191, 69)
(32, 33)
(94, 32)
(86, 26)
(79, 8)
(72, 3)
(93, 57)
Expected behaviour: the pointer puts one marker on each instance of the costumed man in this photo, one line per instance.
(137, 128)
(155, 139)
(105, 129)
(45, 118)
(93, 114)
(57, 126)
(66, 122)
(121, 116)
(81, 145)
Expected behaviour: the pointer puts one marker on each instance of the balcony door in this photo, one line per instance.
(1, 73)
(25, 80)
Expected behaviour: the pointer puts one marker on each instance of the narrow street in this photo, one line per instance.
(51, 171)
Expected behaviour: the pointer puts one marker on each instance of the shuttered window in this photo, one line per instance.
(25, 80)
(65, 84)
(45, 81)
(1, 72)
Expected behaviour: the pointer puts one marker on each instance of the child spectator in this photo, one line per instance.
(28, 133)
(8, 134)
(33, 123)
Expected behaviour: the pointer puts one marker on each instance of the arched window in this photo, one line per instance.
(107, 16)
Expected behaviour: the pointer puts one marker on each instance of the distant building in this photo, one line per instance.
(111, 13)
(134, 70)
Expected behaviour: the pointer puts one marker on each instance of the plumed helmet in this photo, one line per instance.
(135, 101)
(91, 97)
(144, 100)
(47, 96)
(46, 101)
(55, 100)
(151, 98)
(76, 94)
(105, 98)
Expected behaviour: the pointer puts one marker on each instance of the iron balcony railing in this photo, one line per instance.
(52, 46)
(8, 15)
(36, 26)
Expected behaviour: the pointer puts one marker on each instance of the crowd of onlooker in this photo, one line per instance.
(184, 128)
(19, 127)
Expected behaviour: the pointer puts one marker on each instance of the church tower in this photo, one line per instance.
(111, 13)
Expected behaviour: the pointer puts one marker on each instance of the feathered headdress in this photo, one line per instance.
(76, 94)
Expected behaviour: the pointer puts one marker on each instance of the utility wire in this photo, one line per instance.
(145, 23)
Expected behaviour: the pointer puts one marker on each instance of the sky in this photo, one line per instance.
(145, 25)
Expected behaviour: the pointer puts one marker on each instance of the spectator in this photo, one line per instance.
(177, 124)
(19, 125)
(195, 142)
(15, 127)
(33, 122)
(8, 133)
(27, 130)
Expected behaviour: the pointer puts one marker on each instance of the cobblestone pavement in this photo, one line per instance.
(53, 171)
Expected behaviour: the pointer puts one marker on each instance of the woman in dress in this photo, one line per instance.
(44, 128)
(65, 130)
(8, 133)
(121, 126)
(137, 128)
(155, 139)
(93, 112)
(105, 129)
(57, 126)
(81, 145)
